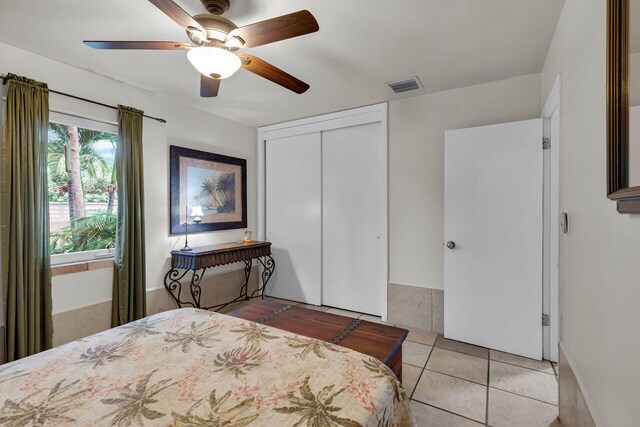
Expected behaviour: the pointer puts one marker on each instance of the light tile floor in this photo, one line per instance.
(454, 384)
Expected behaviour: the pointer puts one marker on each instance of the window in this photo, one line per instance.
(82, 188)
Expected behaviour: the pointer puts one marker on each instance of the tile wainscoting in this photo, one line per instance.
(416, 307)
(574, 411)
(74, 324)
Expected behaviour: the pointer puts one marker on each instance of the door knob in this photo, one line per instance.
(451, 244)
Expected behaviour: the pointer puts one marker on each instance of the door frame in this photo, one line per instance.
(341, 119)
(551, 242)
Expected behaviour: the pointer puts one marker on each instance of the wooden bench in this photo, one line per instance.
(383, 342)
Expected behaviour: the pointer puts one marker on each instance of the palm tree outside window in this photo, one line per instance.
(82, 186)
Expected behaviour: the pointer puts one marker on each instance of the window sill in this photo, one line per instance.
(79, 267)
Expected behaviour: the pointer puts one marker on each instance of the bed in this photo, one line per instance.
(192, 367)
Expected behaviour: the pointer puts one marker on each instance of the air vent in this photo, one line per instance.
(405, 85)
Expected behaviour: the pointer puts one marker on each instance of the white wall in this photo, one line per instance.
(416, 166)
(634, 79)
(599, 257)
(186, 126)
(634, 146)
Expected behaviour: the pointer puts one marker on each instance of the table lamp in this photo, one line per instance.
(196, 213)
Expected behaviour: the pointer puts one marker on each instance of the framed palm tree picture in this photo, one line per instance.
(215, 183)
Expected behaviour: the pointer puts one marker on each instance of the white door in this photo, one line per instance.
(493, 215)
(293, 216)
(354, 218)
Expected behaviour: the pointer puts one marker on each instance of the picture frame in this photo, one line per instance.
(216, 183)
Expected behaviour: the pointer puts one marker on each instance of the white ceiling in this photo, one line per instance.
(361, 45)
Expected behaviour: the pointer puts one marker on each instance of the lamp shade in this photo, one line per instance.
(196, 211)
(214, 62)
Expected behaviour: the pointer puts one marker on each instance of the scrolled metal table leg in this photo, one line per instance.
(268, 267)
(244, 291)
(194, 286)
(173, 285)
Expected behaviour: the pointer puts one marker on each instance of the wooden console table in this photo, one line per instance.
(198, 260)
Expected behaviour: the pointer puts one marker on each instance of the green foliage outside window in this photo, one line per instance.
(89, 233)
(82, 189)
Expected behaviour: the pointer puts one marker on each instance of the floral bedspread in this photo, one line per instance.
(197, 368)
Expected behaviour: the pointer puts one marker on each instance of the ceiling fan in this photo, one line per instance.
(216, 41)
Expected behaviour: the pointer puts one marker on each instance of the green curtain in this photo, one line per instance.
(129, 280)
(24, 219)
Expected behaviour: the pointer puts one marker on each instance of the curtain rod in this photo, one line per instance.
(158, 119)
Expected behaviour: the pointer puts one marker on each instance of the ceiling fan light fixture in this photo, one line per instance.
(214, 61)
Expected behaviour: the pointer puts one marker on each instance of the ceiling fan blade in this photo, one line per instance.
(276, 29)
(175, 12)
(145, 45)
(270, 72)
(209, 87)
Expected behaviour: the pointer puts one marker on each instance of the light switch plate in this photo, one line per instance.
(564, 221)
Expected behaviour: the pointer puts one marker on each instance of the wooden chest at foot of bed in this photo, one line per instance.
(383, 342)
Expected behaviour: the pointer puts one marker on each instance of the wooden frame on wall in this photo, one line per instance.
(216, 183)
(618, 30)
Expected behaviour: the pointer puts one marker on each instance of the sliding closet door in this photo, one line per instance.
(293, 223)
(354, 218)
